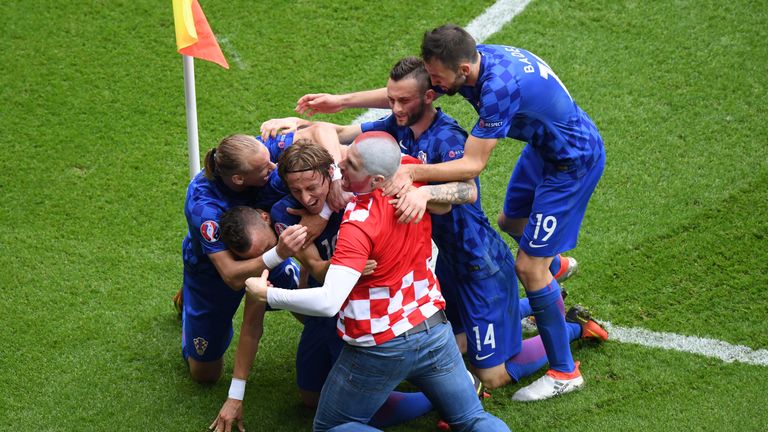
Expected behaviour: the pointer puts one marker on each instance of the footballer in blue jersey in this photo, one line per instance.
(239, 171)
(517, 95)
(319, 345)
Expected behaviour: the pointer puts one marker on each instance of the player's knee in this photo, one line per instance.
(494, 377)
(205, 372)
(513, 227)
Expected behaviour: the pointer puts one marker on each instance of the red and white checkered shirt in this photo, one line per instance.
(403, 291)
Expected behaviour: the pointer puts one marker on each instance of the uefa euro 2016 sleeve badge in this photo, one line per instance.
(200, 345)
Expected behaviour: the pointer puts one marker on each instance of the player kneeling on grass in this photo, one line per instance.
(392, 320)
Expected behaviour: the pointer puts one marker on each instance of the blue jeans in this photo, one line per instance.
(362, 378)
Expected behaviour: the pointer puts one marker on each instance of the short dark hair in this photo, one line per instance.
(450, 44)
(411, 67)
(234, 227)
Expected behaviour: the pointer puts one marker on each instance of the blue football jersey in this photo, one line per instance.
(467, 242)
(325, 242)
(517, 95)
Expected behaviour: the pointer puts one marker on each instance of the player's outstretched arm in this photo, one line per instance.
(231, 413)
(311, 104)
(477, 151)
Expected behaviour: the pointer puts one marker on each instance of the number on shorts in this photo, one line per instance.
(490, 337)
(549, 225)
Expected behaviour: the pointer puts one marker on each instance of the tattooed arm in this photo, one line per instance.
(435, 198)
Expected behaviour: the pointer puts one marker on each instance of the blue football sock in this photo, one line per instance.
(531, 358)
(548, 308)
(554, 267)
(574, 330)
(401, 407)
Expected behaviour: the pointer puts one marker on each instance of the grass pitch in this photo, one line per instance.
(93, 175)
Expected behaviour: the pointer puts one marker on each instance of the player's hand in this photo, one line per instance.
(399, 183)
(370, 266)
(274, 127)
(411, 205)
(313, 224)
(292, 240)
(231, 413)
(311, 104)
(338, 198)
(255, 289)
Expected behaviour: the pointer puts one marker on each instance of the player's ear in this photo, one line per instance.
(265, 216)
(464, 69)
(430, 96)
(238, 180)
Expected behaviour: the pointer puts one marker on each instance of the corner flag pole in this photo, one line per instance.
(194, 38)
(191, 104)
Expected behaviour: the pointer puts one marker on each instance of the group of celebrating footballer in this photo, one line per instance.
(378, 303)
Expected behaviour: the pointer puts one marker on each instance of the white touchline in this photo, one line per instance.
(691, 344)
(488, 23)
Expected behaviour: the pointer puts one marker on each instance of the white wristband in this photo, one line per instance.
(336, 173)
(237, 389)
(271, 258)
(326, 212)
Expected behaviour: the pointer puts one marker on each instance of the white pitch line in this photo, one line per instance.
(488, 23)
(691, 344)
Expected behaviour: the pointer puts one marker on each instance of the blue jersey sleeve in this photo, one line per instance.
(276, 145)
(499, 102)
(386, 124)
(203, 219)
(281, 219)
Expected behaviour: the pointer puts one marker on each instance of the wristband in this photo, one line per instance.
(336, 172)
(237, 389)
(326, 212)
(271, 258)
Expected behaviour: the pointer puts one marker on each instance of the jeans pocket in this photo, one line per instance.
(375, 370)
(444, 355)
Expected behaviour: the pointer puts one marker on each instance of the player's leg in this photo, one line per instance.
(553, 226)
(203, 343)
(489, 310)
(441, 375)
(205, 333)
(317, 351)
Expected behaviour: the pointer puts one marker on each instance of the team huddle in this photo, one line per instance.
(373, 236)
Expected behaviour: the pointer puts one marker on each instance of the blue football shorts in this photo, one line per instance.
(553, 202)
(489, 312)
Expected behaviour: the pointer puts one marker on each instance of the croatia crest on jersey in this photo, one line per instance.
(210, 231)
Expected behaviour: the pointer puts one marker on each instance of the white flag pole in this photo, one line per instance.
(191, 98)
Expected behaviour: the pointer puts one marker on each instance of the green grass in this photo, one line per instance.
(93, 171)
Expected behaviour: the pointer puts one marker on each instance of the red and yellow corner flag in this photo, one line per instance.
(193, 34)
